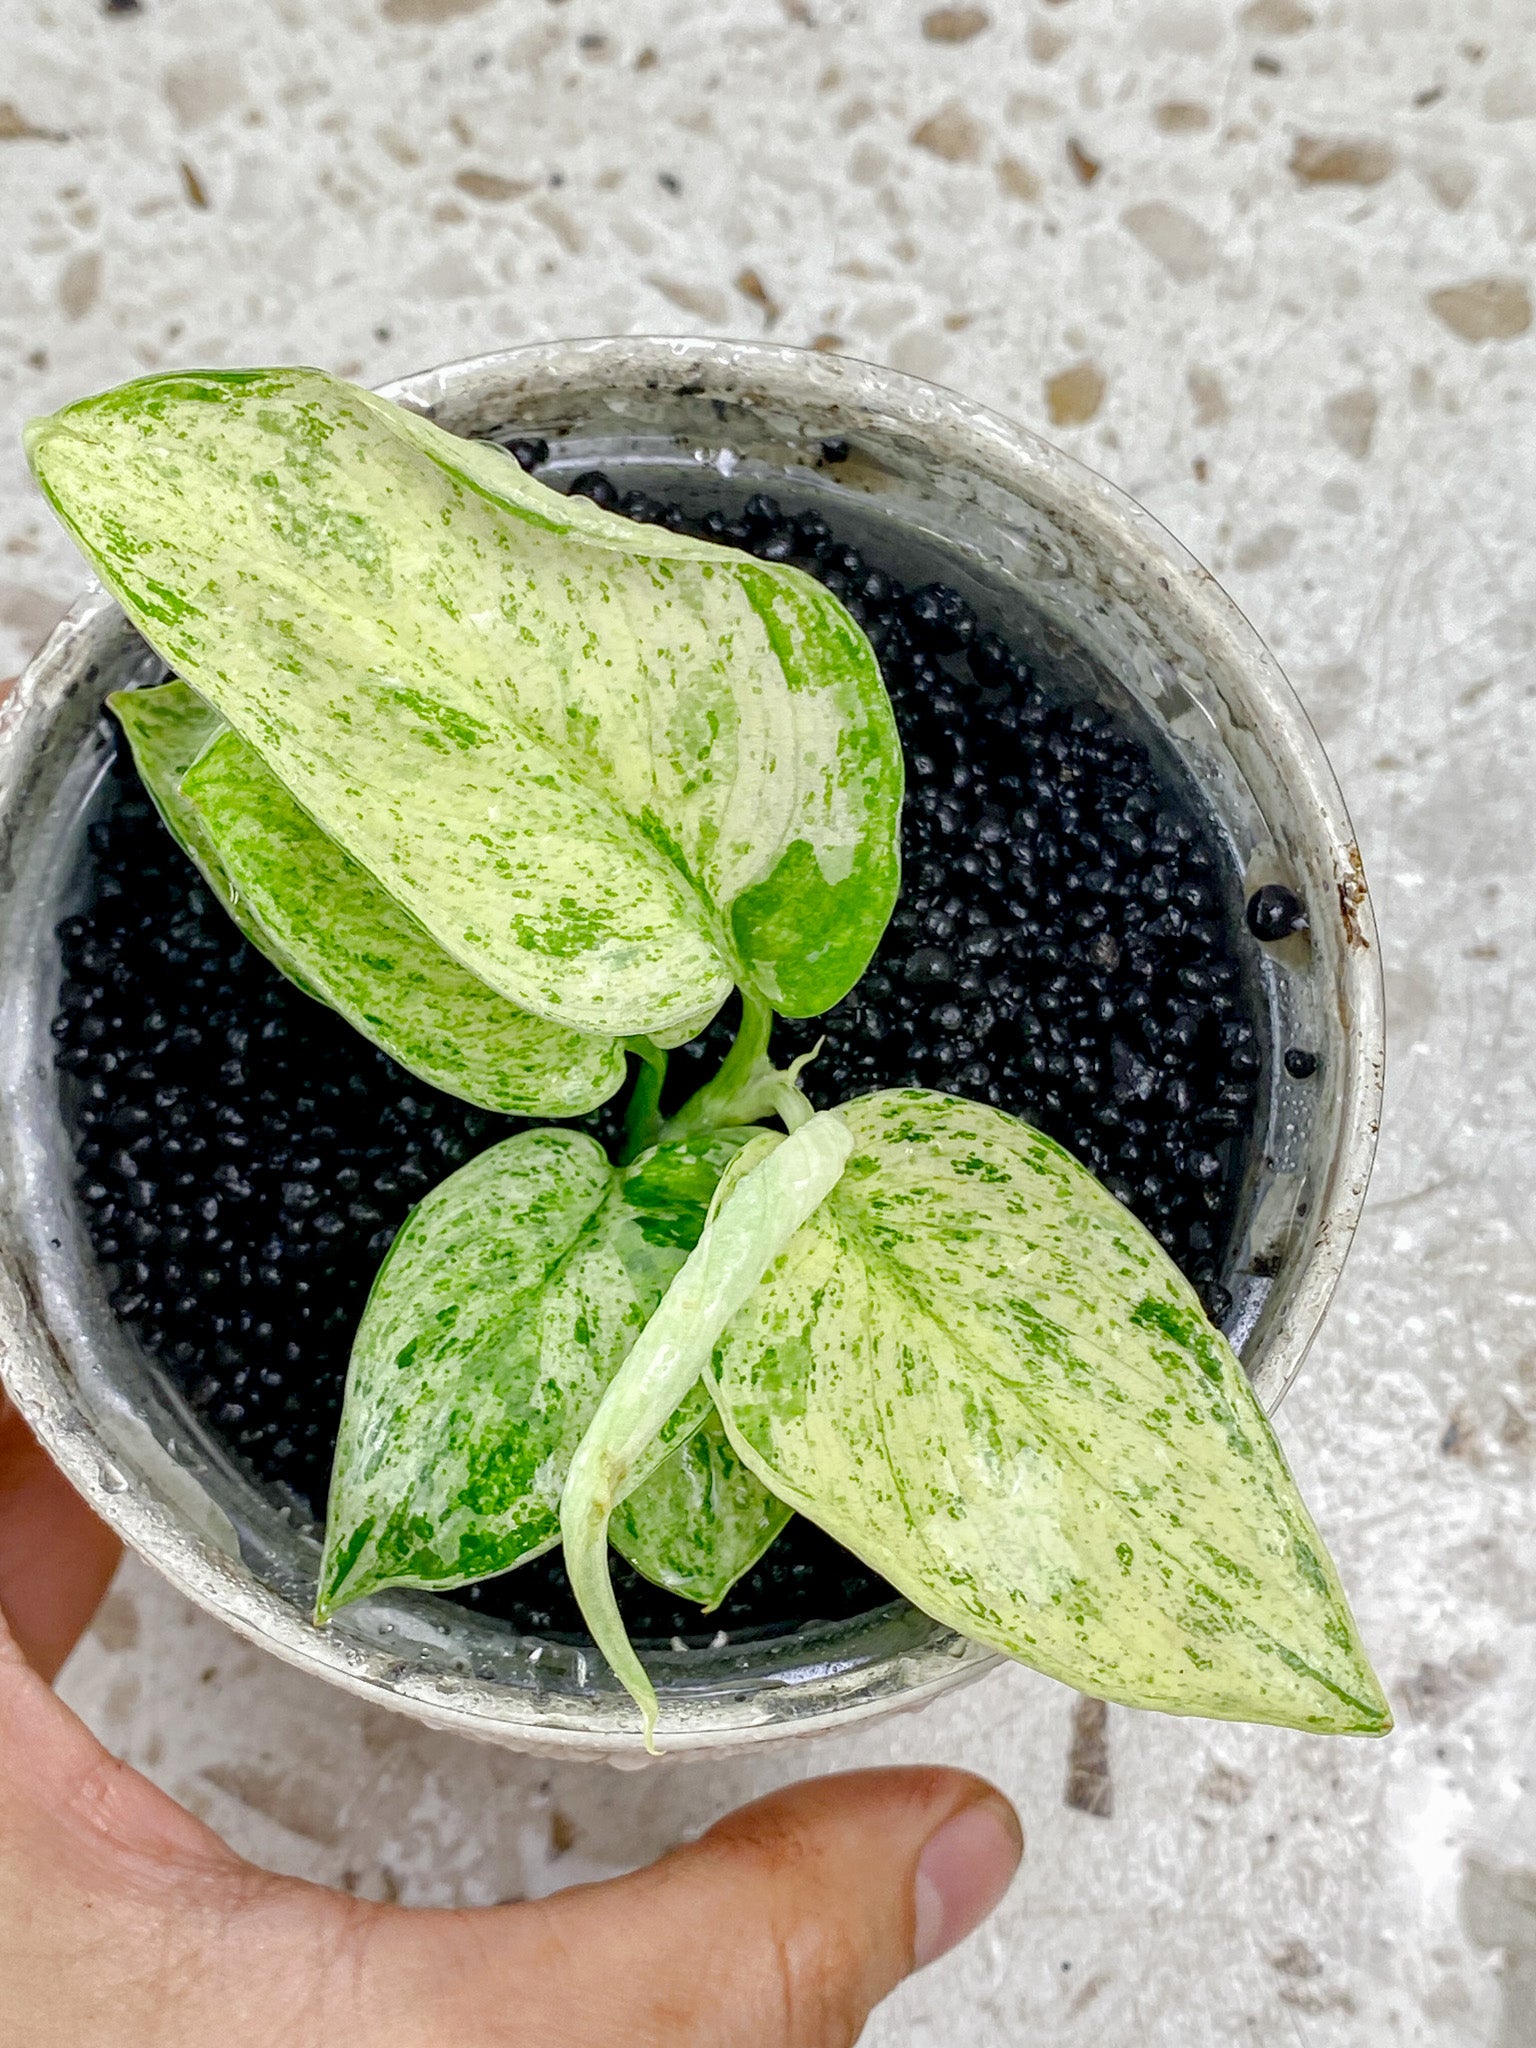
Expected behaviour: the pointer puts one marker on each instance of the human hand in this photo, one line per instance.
(124, 1921)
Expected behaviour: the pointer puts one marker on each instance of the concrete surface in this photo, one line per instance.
(1270, 267)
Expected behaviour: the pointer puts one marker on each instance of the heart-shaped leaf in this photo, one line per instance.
(700, 1521)
(975, 1369)
(611, 769)
(503, 1310)
(329, 926)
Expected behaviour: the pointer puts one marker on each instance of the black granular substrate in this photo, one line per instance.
(1060, 950)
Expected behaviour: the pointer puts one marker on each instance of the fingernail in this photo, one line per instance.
(961, 1875)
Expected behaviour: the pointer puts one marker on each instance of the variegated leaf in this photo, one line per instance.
(503, 1310)
(764, 1196)
(611, 769)
(166, 729)
(700, 1521)
(358, 950)
(976, 1369)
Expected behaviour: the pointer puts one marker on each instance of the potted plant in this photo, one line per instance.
(908, 1213)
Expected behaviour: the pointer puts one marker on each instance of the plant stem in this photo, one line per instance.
(642, 1119)
(721, 1100)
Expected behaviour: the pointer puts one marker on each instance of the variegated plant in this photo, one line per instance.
(516, 787)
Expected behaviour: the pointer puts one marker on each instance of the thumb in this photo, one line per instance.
(781, 1928)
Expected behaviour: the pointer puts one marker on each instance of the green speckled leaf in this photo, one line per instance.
(505, 1307)
(975, 1369)
(167, 728)
(306, 901)
(611, 769)
(700, 1520)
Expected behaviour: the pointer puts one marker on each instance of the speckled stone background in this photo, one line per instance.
(1270, 267)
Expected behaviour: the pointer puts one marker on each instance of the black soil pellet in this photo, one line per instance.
(526, 454)
(1275, 912)
(1059, 950)
(1300, 1064)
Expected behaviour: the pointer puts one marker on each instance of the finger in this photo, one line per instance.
(59, 1786)
(782, 1928)
(125, 1920)
(56, 1558)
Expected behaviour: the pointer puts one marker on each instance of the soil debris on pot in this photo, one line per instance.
(1061, 950)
